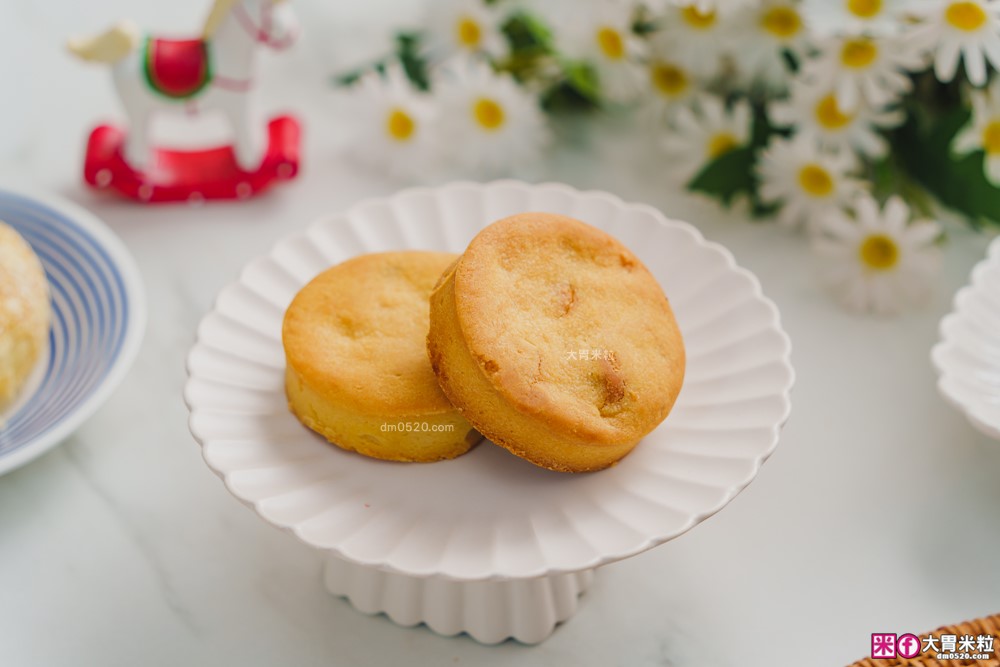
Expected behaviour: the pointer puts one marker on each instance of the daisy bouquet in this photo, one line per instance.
(847, 119)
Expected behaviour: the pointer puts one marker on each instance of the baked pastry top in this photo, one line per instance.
(357, 362)
(25, 312)
(556, 342)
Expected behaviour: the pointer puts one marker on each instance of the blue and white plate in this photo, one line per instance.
(98, 318)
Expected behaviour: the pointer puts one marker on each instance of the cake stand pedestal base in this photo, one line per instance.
(527, 610)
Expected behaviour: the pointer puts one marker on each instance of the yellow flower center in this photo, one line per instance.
(967, 16)
(468, 32)
(830, 116)
(865, 9)
(695, 18)
(782, 22)
(720, 144)
(858, 53)
(488, 114)
(991, 138)
(400, 125)
(669, 79)
(879, 252)
(816, 181)
(611, 43)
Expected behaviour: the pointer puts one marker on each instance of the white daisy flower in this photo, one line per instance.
(805, 180)
(953, 29)
(703, 36)
(704, 131)
(723, 7)
(465, 27)
(486, 120)
(815, 112)
(862, 69)
(391, 126)
(877, 261)
(601, 35)
(983, 131)
(856, 17)
(673, 81)
(760, 38)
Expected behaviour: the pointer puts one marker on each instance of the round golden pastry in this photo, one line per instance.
(25, 312)
(555, 342)
(357, 370)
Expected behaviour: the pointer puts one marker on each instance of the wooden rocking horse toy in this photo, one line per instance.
(213, 71)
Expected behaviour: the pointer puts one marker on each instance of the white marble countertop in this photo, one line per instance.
(880, 510)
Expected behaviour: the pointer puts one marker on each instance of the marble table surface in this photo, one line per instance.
(880, 510)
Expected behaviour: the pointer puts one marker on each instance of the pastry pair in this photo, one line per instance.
(547, 336)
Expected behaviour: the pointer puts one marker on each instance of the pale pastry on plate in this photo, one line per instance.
(25, 312)
(555, 342)
(357, 367)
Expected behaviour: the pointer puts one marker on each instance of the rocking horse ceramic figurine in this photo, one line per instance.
(213, 71)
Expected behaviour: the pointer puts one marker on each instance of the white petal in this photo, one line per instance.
(896, 214)
(868, 213)
(967, 140)
(992, 168)
(975, 64)
(870, 144)
(946, 62)
(991, 47)
(847, 95)
(921, 233)
(837, 225)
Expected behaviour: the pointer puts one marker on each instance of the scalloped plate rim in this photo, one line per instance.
(954, 318)
(384, 564)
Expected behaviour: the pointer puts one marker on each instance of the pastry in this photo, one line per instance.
(25, 312)
(555, 342)
(357, 368)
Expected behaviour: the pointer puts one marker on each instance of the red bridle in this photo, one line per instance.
(261, 33)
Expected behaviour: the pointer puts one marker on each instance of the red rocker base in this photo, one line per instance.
(192, 176)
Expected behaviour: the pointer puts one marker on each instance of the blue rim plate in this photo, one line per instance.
(99, 314)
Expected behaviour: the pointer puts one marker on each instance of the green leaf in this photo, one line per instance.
(578, 90)
(407, 52)
(727, 176)
(734, 173)
(582, 78)
(526, 31)
(413, 62)
(922, 150)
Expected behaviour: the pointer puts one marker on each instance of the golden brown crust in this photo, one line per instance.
(25, 312)
(556, 342)
(357, 367)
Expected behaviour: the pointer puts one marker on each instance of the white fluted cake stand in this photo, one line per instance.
(488, 544)
(968, 356)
